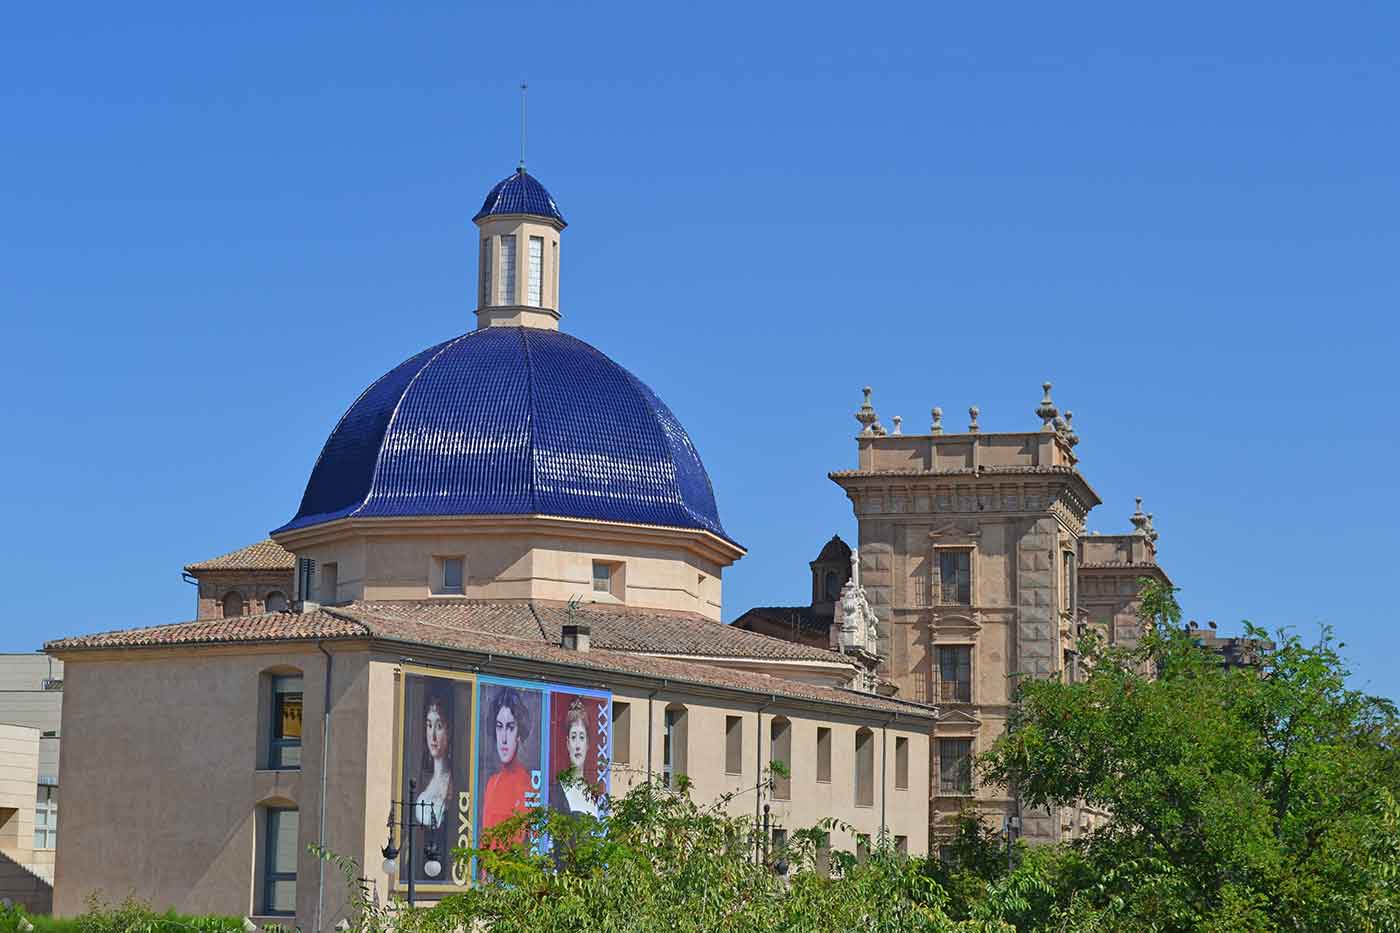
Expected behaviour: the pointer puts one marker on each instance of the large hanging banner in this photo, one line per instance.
(579, 750)
(436, 753)
(510, 753)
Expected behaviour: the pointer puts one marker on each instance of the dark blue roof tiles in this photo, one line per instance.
(520, 193)
(511, 421)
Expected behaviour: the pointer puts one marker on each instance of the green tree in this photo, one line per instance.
(1244, 798)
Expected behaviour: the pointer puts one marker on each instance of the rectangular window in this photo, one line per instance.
(621, 732)
(533, 299)
(955, 766)
(602, 577)
(823, 755)
(330, 582)
(865, 768)
(955, 578)
(554, 278)
(280, 865)
(486, 272)
(955, 673)
(1067, 581)
(46, 818)
(507, 270)
(452, 574)
(780, 750)
(673, 746)
(285, 751)
(733, 745)
(901, 763)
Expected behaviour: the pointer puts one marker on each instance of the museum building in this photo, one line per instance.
(507, 564)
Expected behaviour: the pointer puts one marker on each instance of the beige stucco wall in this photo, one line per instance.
(905, 810)
(664, 573)
(162, 787)
(163, 792)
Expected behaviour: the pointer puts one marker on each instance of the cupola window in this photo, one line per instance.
(507, 270)
(533, 299)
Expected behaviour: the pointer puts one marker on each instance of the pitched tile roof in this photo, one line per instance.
(447, 629)
(265, 555)
(618, 627)
(801, 618)
(268, 626)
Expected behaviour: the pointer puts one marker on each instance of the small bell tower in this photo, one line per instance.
(518, 255)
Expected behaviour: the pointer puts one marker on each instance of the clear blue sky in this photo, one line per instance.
(217, 225)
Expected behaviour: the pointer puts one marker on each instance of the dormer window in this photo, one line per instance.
(507, 271)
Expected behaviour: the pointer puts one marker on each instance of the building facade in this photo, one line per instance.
(507, 564)
(974, 556)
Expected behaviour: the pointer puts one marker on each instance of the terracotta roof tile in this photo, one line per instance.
(268, 626)
(616, 627)
(265, 555)
(602, 659)
(804, 618)
(438, 626)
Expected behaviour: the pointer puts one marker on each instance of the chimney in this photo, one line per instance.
(576, 637)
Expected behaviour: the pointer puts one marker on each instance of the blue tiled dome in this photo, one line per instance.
(520, 193)
(510, 421)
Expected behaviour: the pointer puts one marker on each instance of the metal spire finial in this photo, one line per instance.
(523, 88)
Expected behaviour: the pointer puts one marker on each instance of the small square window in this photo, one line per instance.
(452, 574)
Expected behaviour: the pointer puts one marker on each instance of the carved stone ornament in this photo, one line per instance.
(937, 427)
(1139, 519)
(1071, 438)
(972, 413)
(1047, 410)
(869, 421)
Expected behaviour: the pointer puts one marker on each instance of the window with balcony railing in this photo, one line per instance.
(955, 767)
(955, 578)
(954, 674)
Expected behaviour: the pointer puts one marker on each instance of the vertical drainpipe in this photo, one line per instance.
(758, 765)
(325, 767)
(651, 727)
(885, 771)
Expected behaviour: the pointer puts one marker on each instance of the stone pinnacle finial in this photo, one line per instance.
(897, 422)
(937, 427)
(870, 422)
(1151, 532)
(1071, 438)
(1139, 519)
(974, 427)
(1047, 410)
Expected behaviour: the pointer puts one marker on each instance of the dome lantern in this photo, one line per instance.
(518, 255)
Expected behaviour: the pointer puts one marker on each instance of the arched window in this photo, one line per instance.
(780, 749)
(833, 586)
(233, 605)
(275, 602)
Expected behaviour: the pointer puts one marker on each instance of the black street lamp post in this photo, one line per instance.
(409, 814)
